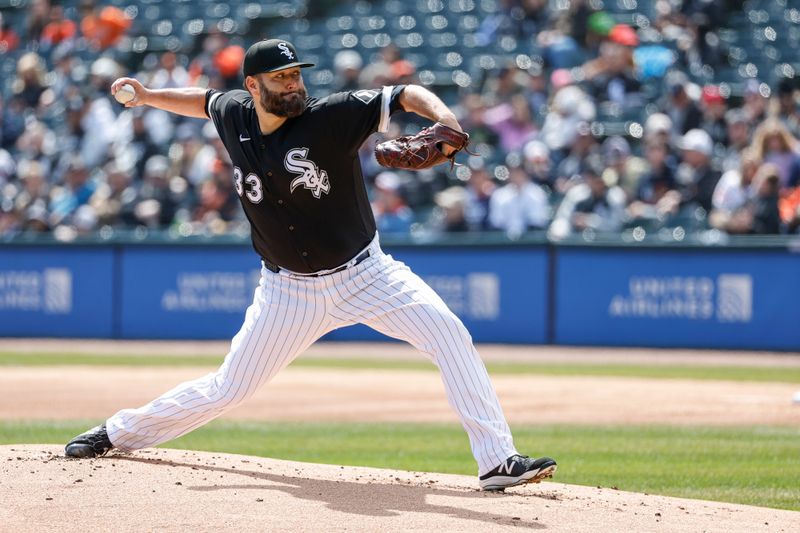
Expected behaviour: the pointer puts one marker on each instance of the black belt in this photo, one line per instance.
(275, 268)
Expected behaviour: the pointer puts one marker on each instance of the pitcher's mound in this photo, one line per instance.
(175, 490)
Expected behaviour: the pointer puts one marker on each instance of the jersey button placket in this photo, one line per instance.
(291, 228)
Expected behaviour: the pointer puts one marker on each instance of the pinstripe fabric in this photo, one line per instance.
(290, 312)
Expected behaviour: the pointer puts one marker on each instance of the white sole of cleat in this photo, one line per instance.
(502, 482)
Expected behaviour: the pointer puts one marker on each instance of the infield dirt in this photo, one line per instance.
(174, 490)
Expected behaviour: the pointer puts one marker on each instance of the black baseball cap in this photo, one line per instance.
(270, 55)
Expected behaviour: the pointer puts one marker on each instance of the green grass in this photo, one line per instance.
(781, 375)
(756, 466)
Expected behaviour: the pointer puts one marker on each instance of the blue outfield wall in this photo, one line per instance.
(176, 293)
(57, 292)
(533, 293)
(499, 293)
(677, 298)
(185, 292)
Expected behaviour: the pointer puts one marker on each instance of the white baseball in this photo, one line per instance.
(125, 94)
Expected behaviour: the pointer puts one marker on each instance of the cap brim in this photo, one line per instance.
(290, 65)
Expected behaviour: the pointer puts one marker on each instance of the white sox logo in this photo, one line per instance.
(285, 50)
(310, 176)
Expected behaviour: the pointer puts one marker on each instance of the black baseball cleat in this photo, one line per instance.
(93, 443)
(516, 470)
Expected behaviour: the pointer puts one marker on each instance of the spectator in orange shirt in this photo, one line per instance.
(8, 39)
(104, 27)
(58, 29)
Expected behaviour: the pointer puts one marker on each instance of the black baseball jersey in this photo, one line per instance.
(301, 186)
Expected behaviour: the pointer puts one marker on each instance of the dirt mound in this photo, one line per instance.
(174, 490)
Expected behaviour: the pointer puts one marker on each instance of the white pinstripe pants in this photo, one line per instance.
(290, 312)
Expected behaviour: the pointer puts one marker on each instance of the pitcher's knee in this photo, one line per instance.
(447, 334)
(225, 393)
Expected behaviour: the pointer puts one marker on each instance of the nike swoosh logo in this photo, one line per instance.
(242, 138)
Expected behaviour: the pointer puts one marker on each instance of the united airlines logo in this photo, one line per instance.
(285, 50)
(729, 298)
(310, 176)
(734, 298)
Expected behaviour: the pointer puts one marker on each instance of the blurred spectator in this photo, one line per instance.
(611, 76)
(378, 72)
(96, 116)
(7, 167)
(478, 196)
(402, 72)
(38, 16)
(599, 25)
(596, 204)
(772, 143)
(102, 27)
(575, 21)
(681, 108)
(570, 107)
(158, 197)
(202, 63)
(511, 122)
(38, 143)
(519, 206)
(114, 198)
(714, 108)
(217, 204)
(756, 100)
(696, 179)
(9, 40)
(347, 66)
(786, 108)
(470, 111)
(75, 192)
(58, 29)
(35, 189)
(658, 126)
(65, 76)
(12, 121)
(30, 82)
(626, 168)
(508, 82)
(227, 63)
(738, 138)
(572, 165)
(789, 209)
(169, 74)
(451, 204)
(197, 154)
(35, 219)
(538, 164)
(134, 144)
(652, 199)
(702, 18)
(559, 49)
(732, 196)
(766, 186)
(392, 215)
(536, 91)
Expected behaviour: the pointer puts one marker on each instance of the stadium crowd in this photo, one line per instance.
(685, 153)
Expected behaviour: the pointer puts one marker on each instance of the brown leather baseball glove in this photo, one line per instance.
(423, 150)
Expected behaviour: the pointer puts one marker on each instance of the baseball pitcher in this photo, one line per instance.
(297, 173)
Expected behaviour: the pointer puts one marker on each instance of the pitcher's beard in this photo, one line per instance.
(282, 105)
